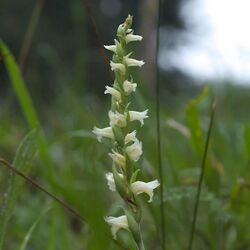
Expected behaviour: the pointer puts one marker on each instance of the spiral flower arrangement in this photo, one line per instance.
(126, 147)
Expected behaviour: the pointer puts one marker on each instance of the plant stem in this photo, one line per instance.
(141, 244)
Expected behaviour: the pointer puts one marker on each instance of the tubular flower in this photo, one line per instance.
(117, 66)
(134, 151)
(103, 132)
(115, 93)
(129, 87)
(118, 158)
(130, 137)
(131, 38)
(138, 116)
(117, 223)
(117, 119)
(110, 48)
(130, 62)
(139, 187)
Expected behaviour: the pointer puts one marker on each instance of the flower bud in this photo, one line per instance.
(118, 158)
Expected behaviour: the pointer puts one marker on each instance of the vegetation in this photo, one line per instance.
(57, 149)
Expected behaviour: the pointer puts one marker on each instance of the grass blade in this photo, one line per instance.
(36, 13)
(19, 86)
(24, 155)
(196, 207)
(27, 106)
(163, 240)
(30, 231)
(38, 186)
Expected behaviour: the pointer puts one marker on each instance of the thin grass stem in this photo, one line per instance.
(203, 164)
(36, 13)
(163, 240)
(38, 186)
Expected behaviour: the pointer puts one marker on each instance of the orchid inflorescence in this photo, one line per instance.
(126, 148)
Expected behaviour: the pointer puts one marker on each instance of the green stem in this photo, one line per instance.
(141, 244)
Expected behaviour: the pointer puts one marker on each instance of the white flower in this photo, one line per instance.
(117, 119)
(118, 158)
(117, 223)
(132, 62)
(110, 47)
(111, 182)
(131, 38)
(115, 93)
(138, 116)
(139, 187)
(130, 137)
(103, 132)
(134, 151)
(129, 87)
(117, 66)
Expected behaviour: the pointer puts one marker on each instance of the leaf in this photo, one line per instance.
(246, 135)
(30, 231)
(24, 155)
(27, 106)
(19, 85)
(194, 121)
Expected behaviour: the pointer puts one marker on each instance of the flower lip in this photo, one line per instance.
(139, 187)
(134, 151)
(117, 223)
(138, 116)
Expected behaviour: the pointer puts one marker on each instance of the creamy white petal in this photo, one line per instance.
(129, 87)
(138, 116)
(132, 38)
(139, 187)
(132, 62)
(130, 137)
(115, 93)
(134, 151)
(103, 132)
(117, 119)
(118, 158)
(117, 223)
(117, 66)
(110, 47)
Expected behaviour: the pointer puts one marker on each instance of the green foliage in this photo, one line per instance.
(24, 155)
(194, 122)
(32, 228)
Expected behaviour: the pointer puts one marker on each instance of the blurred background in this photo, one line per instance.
(58, 47)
